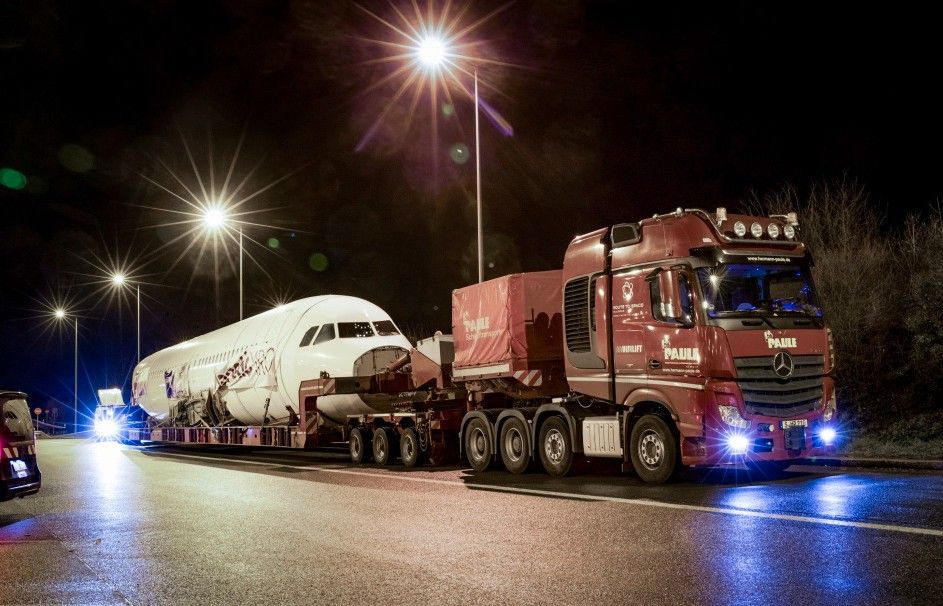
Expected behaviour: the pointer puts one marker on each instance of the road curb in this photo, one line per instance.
(874, 463)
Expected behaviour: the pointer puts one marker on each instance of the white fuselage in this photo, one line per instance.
(257, 365)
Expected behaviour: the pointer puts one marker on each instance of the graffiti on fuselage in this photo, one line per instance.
(249, 364)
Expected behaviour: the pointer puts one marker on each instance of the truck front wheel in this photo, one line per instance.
(556, 447)
(654, 450)
(478, 449)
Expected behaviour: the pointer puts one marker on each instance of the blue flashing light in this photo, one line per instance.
(828, 435)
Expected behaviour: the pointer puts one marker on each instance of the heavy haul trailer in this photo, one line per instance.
(684, 339)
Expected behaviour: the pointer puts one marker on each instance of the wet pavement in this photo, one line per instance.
(118, 525)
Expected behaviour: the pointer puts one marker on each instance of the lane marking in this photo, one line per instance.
(588, 497)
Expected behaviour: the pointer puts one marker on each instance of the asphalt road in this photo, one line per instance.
(115, 525)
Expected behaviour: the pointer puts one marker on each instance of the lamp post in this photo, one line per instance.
(214, 219)
(433, 53)
(61, 314)
(119, 280)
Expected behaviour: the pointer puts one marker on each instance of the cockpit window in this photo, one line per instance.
(354, 330)
(326, 334)
(308, 336)
(385, 328)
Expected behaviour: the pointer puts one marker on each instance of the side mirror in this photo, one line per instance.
(670, 295)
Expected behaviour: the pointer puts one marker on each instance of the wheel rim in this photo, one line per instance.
(478, 442)
(514, 444)
(554, 446)
(651, 449)
(408, 446)
(380, 448)
(355, 446)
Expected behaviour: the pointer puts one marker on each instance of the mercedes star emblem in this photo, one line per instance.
(782, 364)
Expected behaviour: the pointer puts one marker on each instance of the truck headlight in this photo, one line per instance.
(737, 444)
(731, 416)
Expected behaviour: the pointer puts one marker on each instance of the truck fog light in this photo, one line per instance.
(773, 231)
(731, 416)
(830, 407)
(757, 230)
(828, 436)
(739, 229)
(737, 444)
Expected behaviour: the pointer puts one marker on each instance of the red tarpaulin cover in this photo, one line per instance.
(515, 317)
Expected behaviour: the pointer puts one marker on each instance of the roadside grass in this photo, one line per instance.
(915, 437)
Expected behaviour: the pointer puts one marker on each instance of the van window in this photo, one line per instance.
(17, 423)
(308, 336)
(326, 334)
(354, 330)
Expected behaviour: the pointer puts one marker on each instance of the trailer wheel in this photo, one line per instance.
(478, 449)
(654, 450)
(383, 446)
(556, 446)
(409, 450)
(514, 446)
(359, 449)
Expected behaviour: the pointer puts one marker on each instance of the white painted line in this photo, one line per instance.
(588, 497)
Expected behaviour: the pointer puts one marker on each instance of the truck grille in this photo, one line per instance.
(764, 393)
(576, 314)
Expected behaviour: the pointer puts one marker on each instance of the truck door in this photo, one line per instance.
(671, 346)
(631, 311)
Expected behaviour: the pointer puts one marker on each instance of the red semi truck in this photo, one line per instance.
(685, 339)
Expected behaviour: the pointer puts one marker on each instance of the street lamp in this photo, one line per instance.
(214, 219)
(432, 52)
(61, 314)
(119, 280)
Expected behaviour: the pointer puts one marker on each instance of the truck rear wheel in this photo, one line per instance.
(514, 446)
(478, 449)
(360, 446)
(383, 446)
(409, 448)
(556, 447)
(654, 450)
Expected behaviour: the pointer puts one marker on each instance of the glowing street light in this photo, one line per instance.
(61, 314)
(214, 219)
(120, 280)
(436, 50)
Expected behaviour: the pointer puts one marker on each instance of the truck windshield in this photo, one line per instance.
(17, 423)
(736, 289)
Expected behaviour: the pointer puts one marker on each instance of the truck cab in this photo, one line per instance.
(705, 331)
(19, 471)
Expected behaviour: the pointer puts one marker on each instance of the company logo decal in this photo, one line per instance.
(779, 342)
(628, 289)
(783, 364)
(682, 354)
(627, 349)
(475, 324)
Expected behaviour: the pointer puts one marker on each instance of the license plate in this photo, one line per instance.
(19, 468)
(795, 423)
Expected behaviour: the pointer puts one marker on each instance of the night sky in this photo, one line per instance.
(618, 110)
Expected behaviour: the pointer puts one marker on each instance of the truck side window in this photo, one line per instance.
(656, 300)
(326, 334)
(308, 336)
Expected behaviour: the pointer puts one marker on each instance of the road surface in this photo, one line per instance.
(117, 525)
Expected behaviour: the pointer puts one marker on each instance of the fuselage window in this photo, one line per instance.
(354, 330)
(326, 334)
(308, 336)
(385, 328)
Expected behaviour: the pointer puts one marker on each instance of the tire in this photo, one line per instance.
(555, 447)
(514, 446)
(410, 450)
(768, 469)
(360, 446)
(478, 448)
(383, 453)
(654, 450)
